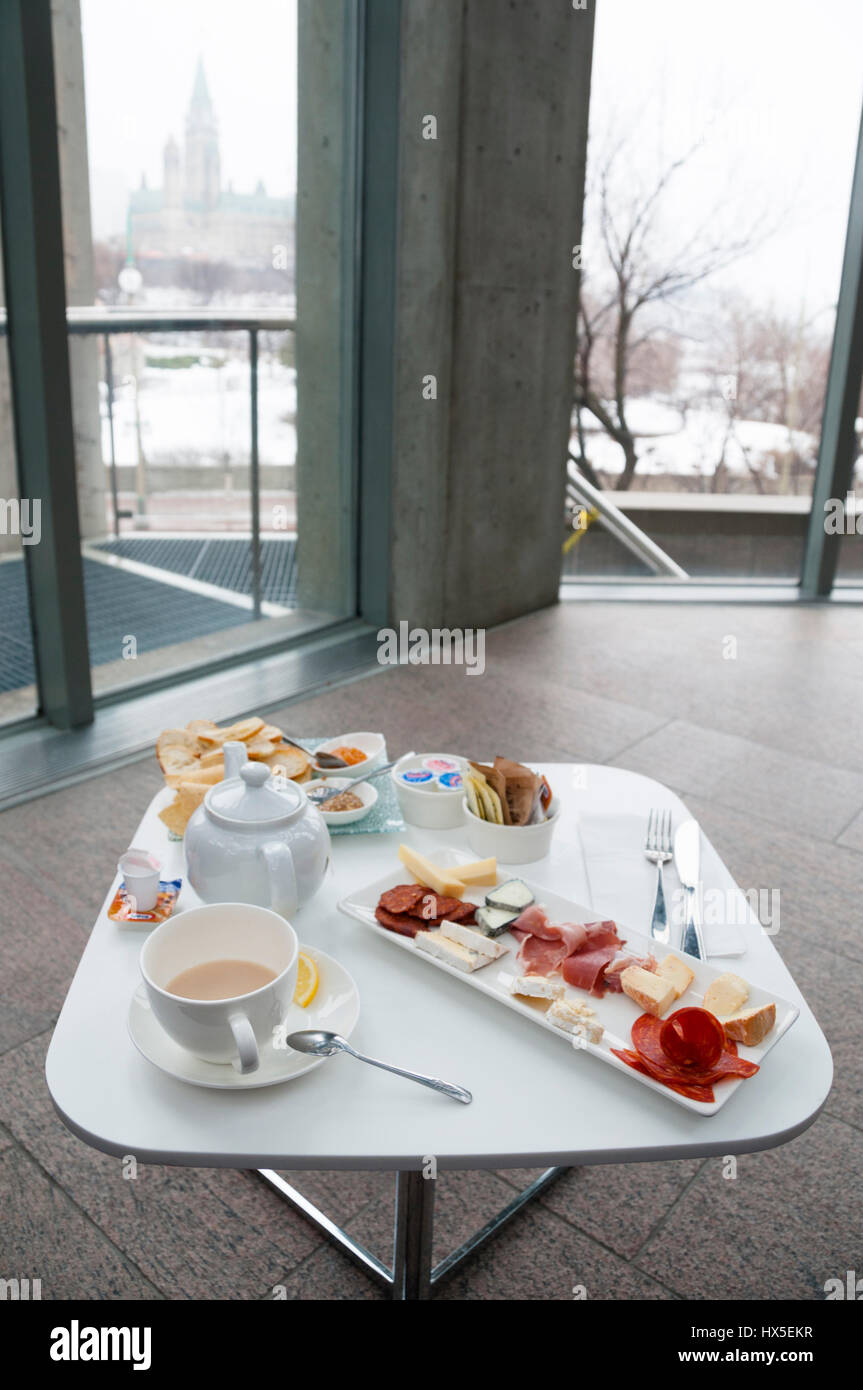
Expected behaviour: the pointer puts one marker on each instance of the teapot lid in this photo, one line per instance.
(255, 797)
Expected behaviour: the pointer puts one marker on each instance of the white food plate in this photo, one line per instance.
(335, 1007)
(616, 1012)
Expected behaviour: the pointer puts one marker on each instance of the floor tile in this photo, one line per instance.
(40, 946)
(786, 1224)
(44, 1236)
(619, 1204)
(783, 788)
(194, 1233)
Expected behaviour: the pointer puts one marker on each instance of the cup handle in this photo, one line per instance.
(247, 1045)
(283, 881)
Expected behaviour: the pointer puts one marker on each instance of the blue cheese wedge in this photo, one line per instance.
(494, 920)
(537, 986)
(575, 1018)
(439, 946)
(473, 940)
(515, 896)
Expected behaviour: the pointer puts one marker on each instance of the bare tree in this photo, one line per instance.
(618, 323)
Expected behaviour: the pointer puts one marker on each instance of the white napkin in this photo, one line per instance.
(623, 885)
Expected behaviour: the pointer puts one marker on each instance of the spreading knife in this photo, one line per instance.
(687, 861)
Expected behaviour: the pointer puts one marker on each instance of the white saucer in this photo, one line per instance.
(336, 1007)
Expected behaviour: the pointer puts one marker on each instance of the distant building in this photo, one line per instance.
(193, 218)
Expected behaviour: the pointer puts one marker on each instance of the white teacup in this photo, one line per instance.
(222, 1030)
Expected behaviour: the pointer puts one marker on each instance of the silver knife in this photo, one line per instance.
(687, 861)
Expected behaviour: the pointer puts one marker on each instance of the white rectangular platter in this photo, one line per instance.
(616, 1012)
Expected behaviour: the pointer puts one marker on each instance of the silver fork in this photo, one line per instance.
(657, 847)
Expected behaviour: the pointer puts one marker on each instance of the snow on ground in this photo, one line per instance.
(667, 442)
(201, 414)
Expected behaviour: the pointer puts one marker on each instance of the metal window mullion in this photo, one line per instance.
(39, 358)
(255, 474)
(835, 472)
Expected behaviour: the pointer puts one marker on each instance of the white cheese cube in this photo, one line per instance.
(577, 1019)
(473, 940)
(726, 994)
(450, 951)
(652, 993)
(678, 972)
(537, 987)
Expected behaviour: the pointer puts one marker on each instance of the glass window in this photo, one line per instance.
(179, 141)
(20, 525)
(719, 166)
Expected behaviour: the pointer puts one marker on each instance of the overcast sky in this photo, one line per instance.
(774, 85)
(140, 61)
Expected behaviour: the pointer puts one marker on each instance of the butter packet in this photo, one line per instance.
(121, 909)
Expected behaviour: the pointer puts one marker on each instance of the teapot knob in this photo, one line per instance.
(255, 774)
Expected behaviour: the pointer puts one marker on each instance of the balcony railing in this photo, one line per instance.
(107, 321)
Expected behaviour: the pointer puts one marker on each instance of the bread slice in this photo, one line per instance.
(650, 991)
(750, 1026)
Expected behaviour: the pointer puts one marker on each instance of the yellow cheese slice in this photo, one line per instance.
(481, 871)
(430, 875)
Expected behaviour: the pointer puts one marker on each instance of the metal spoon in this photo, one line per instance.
(322, 759)
(318, 1043)
(355, 782)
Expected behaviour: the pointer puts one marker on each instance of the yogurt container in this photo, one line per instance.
(427, 791)
(439, 766)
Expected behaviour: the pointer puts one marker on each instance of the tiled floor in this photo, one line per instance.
(752, 715)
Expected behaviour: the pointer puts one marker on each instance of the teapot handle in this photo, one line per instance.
(279, 864)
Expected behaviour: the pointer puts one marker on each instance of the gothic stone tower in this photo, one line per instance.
(202, 171)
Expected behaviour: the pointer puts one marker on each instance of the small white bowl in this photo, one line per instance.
(373, 745)
(432, 807)
(510, 844)
(367, 794)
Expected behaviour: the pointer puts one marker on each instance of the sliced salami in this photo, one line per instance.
(402, 898)
(430, 906)
(398, 922)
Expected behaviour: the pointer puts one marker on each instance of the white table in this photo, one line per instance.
(536, 1101)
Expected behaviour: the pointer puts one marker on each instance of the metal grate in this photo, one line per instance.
(223, 561)
(119, 604)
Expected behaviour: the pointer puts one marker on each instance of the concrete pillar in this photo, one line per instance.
(324, 253)
(490, 212)
(80, 286)
(78, 248)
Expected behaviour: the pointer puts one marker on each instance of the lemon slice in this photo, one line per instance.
(308, 980)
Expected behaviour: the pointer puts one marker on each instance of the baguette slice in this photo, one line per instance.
(750, 1026)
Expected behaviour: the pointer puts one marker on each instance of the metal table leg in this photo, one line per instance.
(413, 1236)
(413, 1277)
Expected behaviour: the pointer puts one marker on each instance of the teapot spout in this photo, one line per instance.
(235, 758)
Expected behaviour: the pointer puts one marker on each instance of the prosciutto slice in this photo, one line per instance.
(614, 971)
(546, 945)
(586, 969)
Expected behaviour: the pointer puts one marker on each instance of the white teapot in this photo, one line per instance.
(256, 839)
